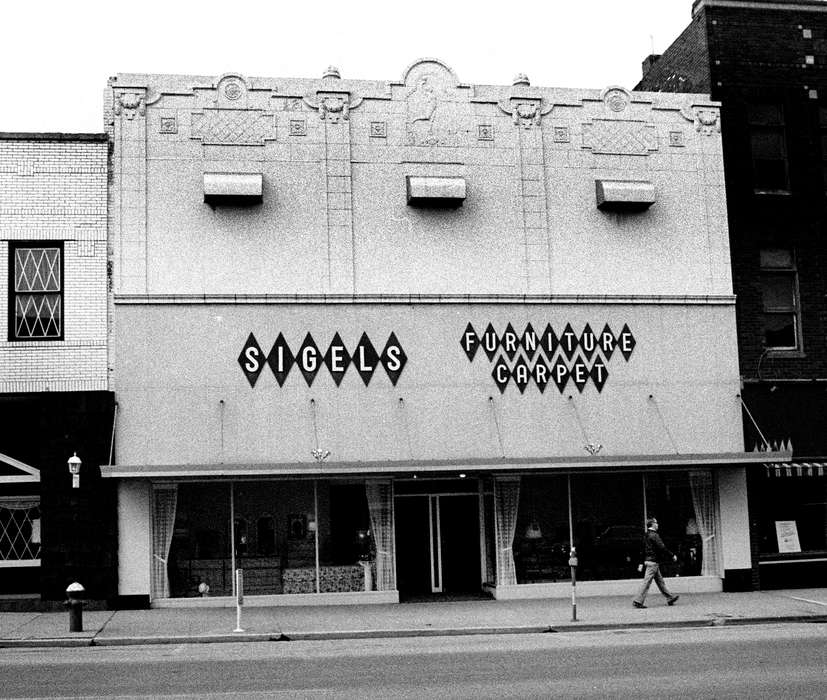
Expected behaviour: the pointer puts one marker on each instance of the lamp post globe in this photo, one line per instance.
(74, 469)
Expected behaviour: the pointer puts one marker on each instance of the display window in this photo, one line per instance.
(604, 516)
(287, 536)
(792, 515)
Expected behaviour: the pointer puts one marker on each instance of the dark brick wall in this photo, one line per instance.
(756, 55)
(78, 526)
(751, 55)
(684, 66)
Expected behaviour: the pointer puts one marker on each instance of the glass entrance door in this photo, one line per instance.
(438, 544)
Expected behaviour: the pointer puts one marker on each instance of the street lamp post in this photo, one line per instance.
(74, 469)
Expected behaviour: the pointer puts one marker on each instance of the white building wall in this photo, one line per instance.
(735, 540)
(56, 190)
(134, 537)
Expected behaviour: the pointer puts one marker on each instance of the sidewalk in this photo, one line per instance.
(187, 625)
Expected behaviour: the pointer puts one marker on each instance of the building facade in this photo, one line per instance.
(766, 62)
(375, 340)
(55, 401)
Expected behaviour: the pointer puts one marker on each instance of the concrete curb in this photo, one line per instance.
(563, 628)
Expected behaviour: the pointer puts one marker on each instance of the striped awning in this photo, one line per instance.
(782, 469)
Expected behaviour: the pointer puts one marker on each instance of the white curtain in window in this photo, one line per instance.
(507, 499)
(164, 507)
(703, 500)
(380, 506)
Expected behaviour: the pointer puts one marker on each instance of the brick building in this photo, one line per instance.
(54, 390)
(383, 339)
(766, 62)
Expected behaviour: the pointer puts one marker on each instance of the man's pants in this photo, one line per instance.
(652, 572)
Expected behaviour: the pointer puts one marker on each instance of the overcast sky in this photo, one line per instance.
(55, 57)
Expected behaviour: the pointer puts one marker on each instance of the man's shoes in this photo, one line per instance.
(641, 605)
(673, 600)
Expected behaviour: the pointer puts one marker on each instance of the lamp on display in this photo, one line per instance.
(74, 469)
(533, 531)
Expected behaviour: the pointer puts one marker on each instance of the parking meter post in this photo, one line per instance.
(573, 565)
(74, 602)
(239, 598)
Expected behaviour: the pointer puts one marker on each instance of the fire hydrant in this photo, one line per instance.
(75, 594)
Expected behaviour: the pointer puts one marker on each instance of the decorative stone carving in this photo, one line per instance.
(298, 127)
(233, 126)
(334, 108)
(616, 137)
(525, 104)
(616, 99)
(707, 118)
(168, 125)
(526, 114)
(485, 132)
(378, 130)
(129, 103)
(676, 139)
(232, 91)
(434, 114)
(561, 134)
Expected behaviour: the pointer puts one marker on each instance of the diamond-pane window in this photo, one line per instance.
(36, 297)
(19, 530)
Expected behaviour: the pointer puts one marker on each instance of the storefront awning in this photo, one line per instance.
(783, 469)
(446, 467)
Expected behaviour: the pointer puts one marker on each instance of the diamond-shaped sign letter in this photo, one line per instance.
(568, 341)
(540, 373)
(599, 373)
(251, 360)
(549, 342)
(588, 342)
(530, 341)
(470, 342)
(607, 342)
(365, 359)
(510, 341)
(560, 374)
(309, 359)
(490, 342)
(521, 374)
(337, 359)
(501, 374)
(393, 359)
(626, 342)
(580, 374)
(280, 359)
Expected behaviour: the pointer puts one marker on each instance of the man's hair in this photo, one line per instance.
(650, 522)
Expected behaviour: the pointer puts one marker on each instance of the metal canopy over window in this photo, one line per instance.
(624, 195)
(435, 191)
(782, 469)
(233, 188)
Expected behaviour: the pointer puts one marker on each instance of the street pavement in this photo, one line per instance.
(481, 616)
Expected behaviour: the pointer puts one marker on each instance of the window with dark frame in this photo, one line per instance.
(35, 291)
(769, 148)
(780, 299)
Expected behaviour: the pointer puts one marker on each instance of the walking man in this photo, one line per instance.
(655, 553)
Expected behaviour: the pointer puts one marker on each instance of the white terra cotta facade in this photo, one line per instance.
(419, 337)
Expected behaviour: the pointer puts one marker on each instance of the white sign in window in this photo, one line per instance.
(787, 533)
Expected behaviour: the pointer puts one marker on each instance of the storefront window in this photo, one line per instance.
(199, 560)
(541, 540)
(793, 514)
(608, 517)
(279, 536)
(669, 498)
(608, 521)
